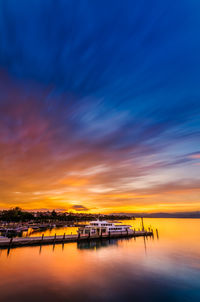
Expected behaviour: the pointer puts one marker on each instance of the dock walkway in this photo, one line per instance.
(58, 239)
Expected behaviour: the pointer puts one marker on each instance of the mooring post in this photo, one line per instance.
(142, 223)
(54, 238)
(11, 240)
(42, 237)
(8, 251)
(157, 234)
(64, 237)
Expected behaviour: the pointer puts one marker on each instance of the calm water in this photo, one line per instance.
(164, 269)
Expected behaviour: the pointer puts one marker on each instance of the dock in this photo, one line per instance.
(61, 239)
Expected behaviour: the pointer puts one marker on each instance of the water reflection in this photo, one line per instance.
(141, 269)
(97, 244)
(89, 244)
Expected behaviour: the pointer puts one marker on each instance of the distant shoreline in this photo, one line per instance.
(187, 215)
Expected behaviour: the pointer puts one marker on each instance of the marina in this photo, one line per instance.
(96, 230)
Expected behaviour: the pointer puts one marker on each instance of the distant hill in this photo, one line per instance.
(163, 215)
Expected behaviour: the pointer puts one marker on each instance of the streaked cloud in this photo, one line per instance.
(79, 207)
(99, 109)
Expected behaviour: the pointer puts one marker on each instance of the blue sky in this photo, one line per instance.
(99, 104)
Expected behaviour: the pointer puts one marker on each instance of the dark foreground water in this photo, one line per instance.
(164, 269)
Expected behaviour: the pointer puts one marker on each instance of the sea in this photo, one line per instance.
(162, 268)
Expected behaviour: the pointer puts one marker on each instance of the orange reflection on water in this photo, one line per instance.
(94, 266)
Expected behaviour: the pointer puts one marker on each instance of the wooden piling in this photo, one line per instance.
(11, 240)
(142, 224)
(157, 234)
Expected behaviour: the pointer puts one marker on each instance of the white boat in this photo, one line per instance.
(104, 227)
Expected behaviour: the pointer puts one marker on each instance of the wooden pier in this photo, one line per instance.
(61, 239)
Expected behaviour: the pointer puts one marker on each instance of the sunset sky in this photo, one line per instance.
(100, 105)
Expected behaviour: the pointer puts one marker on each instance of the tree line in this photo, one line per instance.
(18, 215)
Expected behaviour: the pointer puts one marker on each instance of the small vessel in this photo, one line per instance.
(104, 227)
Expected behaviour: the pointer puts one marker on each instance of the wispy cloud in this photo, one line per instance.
(98, 106)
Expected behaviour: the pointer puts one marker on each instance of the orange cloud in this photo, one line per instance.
(42, 165)
(74, 182)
